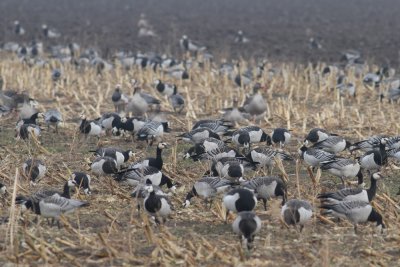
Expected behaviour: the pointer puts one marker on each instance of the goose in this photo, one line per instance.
(165, 88)
(392, 94)
(265, 156)
(353, 194)
(238, 200)
(247, 224)
(217, 126)
(343, 168)
(90, 128)
(153, 130)
(3, 189)
(177, 101)
(267, 187)
(155, 205)
(332, 144)
(350, 56)
(346, 89)
(198, 152)
(188, 45)
(34, 169)
(33, 119)
(250, 134)
(198, 135)
(180, 74)
(104, 165)
(394, 153)
(82, 180)
(369, 144)
(121, 156)
(233, 114)
(129, 126)
(296, 212)
(26, 131)
(313, 157)
(205, 146)
(255, 104)
(240, 38)
(229, 168)
(315, 43)
(244, 79)
(151, 100)
(109, 120)
(207, 188)
(119, 99)
(53, 117)
(50, 33)
(137, 105)
(372, 79)
(18, 30)
(156, 162)
(280, 136)
(354, 211)
(374, 159)
(316, 135)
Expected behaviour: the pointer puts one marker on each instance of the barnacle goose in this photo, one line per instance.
(314, 157)
(156, 162)
(247, 224)
(3, 189)
(267, 187)
(33, 119)
(137, 105)
(121, 156)
(250, 134)
(177, 101)
(346, 89)
(240, 38)
(198, 135)
(353, 194)
(316, 135)
(229, 168)
(153, 130)
(82, 180)
(372, 79)
(264, 156)
(374, 159)
(129, 126)
(343, 168)
(34, 169)
(199, 153)
(26, 131)
(280, 136)
(233, 114)
(205, 146)
(207, 188)
(18, 30)
(239, 199)
(104, 165)
(119, 99)
(217, 126)
(350, 55)
(332, 144)
(255, 104)
(165, 88)
(109, 120)
(50, 33)
(367, 145)
(90, 128)
(296, 212)
(188, 45)
(156, 205)
(354, 211)
(53, 117)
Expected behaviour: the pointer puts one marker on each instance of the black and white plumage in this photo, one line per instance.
(354, 211)
(250, 134)
(238, 200)
(332, 144)
(267, 187)
(247, 224)
(177, 101)
(265, 156)
(153, 130)
(109, 120)
(217, 126)
(353, 194)
(165, 88)
(208, 145)
(198, 135)
(343, 168)
(229, 168)
(121, 156)
(104, 166)
(18, 29)
(394, 153)
(280, 136)
(34, 169)
(374, 159)
(155, 205)
(373, 79)
(313, 157)
(207, 188)
(50, 33)
(369, 144)
(90, 127)
(3, 189)
(129, 126)
(53, 117)
(119, 99)
(26, 131)
(188, 45)
(32, 119)
(82, 180)
(296, 212)
(156, 162)
(316, 135)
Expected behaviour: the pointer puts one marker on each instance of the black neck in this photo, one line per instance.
(372, 189)
(126, 155)
(191, 194)
(166, 180)
(374, 216)
(66, 192)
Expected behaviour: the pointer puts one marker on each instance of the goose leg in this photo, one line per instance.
(265, 204)
(226, 216)
(355, 229)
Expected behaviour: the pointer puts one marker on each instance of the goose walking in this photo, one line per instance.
(119, 99)
(247, 224)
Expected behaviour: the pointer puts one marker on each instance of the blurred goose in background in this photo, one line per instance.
(350, 56)
(240, 38)
(137, 105)
(18, 30)
(53, 117)
(3, 189)
(177, 101)
(233, 114)
(373, 79)
(50, 33)
(207, 188)
(34, 169)
(315, 43)
(190, 46)
(296, 212)
(354, 211)
(343, 168)
(247, 224)
(255, 104)
(119, 99)
(165, 88)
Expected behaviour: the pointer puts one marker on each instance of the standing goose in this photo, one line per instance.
(217, 126)
(153, 130)
(267, 187)
(82, 180)
(343, 168)
(165, 88)
(207, 188)
(296, 212)
(316, 135)
(90, 128)
(119, 99)
(255, 104)
(265, 156)
(155, 205)
(190, 46)
(198, 135)
(332, 144)
(374, 159)
(104, 165)
(353, 194)
(354, 211)
(247, 224)
(177, 101)
(137, 105)
(280, 136)
(313, 157)
(34, 169)
(156, 162)
(53, 117)
(238, 200)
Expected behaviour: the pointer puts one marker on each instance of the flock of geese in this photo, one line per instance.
(233, 154)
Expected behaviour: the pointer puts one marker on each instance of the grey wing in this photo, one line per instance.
(150, 99)
(341, 194)
(348, 206)
(322, 155)
(57, 202)
(42, 194)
